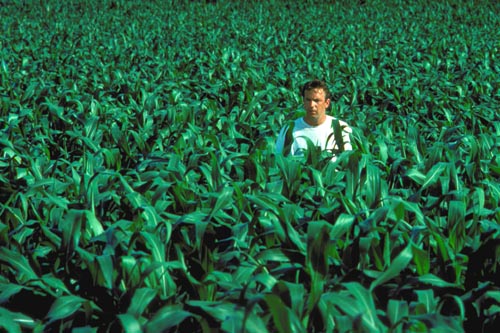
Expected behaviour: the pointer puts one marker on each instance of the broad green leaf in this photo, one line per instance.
(65, 306)
(154, 244)
(7, 323)
(280, 313)
(328, 316)
(223, 200)
(294, 236)
(272, 255)
(434, 322)
(341, 226)
(398, 264)
(71, 227)
(417, 176)
(366, 305)
(237, 322)
(456, 224)
(93, 223)
(297, 293)
(442, 248)
(218, 310)
(140, 301)
(318, 243)
(105, 271)
(252, 323)
(421, 258)
(244, 274)
(15, 321)
(51, 284)
(427, 299)
(397, 311)
(130, 324)
(373, 187)
(343, 303)
(157, 248)
(7, 290)
(18, 263)
(494, 295)
(166, 318)
(433, 175)
(435, 281)
(252, 107)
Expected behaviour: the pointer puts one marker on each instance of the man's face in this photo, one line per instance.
(315, 104)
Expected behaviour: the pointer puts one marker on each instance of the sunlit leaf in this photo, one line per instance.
(140, 301)
(18, 263)
(167, 317)
(65, 306)
(398, 264)
(366, 306)
(397, 311)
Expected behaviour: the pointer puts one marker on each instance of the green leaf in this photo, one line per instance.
(397, 311)
(140, 301)
(318, 243)
(427, 299)
(342, 303)
(19, 263)
(267, 255)
(280, 313)
(93, 223)
(7, 290)
(130, 323)
(433, 175)
(224, 198)
(166, 318)
(456, 224)
(366, 305)
(8, 323)
(65, 306)
(15, 321)
(341, 226)
(252, 323)
(417, 176)
(421, 258)
(71, 226)
(105, 269)
(434, 322)
(398, 264)
(435, 281)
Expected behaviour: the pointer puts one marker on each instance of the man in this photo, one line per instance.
(323, 131)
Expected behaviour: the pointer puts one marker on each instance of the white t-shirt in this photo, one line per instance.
(321, 136)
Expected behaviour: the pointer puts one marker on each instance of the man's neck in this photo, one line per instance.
(314, 121)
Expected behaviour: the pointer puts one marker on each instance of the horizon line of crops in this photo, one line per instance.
(140, 189)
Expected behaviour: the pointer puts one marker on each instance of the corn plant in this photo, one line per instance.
(140, 190)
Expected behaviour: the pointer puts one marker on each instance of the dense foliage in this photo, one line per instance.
(139, 188)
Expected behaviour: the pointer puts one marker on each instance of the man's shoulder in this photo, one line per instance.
(294, 123)
(300, 124)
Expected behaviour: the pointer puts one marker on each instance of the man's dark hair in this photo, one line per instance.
(316, 84)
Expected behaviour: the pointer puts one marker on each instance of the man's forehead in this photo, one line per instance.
(315, 91)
